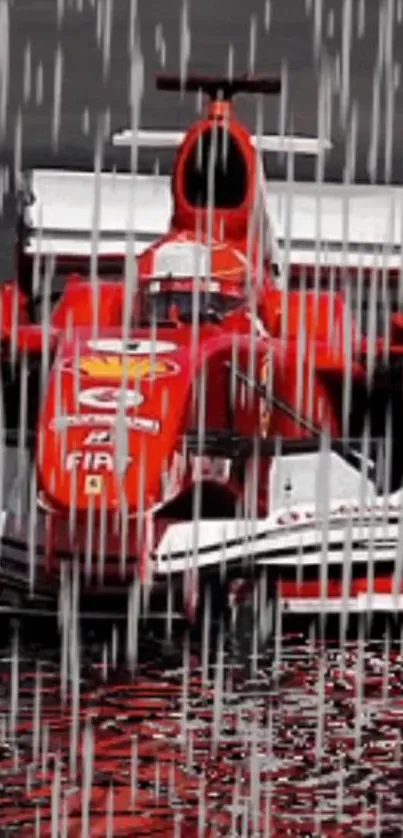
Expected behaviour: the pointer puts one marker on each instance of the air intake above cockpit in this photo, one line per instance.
(215, 171)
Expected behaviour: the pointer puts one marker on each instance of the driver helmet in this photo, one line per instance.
(178, 299)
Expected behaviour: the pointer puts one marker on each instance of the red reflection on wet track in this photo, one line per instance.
(315, 751)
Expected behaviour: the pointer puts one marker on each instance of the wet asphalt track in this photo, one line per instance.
(351, 717)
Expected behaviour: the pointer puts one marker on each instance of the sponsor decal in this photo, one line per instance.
(93, 484)
(198, 468)
(115, 367)
(211, 468)
(338, 512)
(208, 286)
(361, 604)
(98, 438)
(87, 420)
(114, 346)
(292, 517)
(94, 461)
(383, 593)
(110, 398)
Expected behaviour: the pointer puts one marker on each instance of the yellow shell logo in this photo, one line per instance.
(112, 367)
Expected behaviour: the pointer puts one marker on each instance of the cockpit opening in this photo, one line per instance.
(170, 301)
(230, 171)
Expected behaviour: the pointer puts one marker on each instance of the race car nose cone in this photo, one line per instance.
(110, 419)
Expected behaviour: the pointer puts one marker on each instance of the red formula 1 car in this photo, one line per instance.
(205, 395)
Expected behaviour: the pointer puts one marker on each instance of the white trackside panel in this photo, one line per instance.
(72, 211)
(354, 225)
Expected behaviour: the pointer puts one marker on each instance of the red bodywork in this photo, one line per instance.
(264, 331)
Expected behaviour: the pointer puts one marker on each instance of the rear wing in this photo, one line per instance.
(266, 144)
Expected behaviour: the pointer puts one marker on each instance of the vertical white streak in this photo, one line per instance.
(57, 96)
(4, 63)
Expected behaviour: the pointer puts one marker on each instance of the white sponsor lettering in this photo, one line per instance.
(98, 438)
(208, 286)
(211, 468)
(85, 420)
(93, 461)
(114, 346)
(361, 604)
(337, 512)
(110, 398)
(197, 468)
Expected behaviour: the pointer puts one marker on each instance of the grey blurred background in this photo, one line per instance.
(68, 67)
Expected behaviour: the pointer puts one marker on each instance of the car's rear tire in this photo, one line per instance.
(17, 406)
(212, 610)
(253, 618)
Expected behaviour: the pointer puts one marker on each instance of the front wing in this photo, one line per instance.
(340, 553)
(313, 563)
